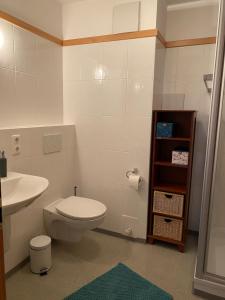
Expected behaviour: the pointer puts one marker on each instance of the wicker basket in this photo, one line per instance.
(170, 204)
(168, 227)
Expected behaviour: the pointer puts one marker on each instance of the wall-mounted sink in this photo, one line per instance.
(20, 190)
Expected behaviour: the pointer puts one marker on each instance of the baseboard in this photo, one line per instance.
(119, 235)
(17, 267)
(210, 290)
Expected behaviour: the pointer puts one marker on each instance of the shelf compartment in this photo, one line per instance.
(163, 149)
(183, 121)
(163, 239)
(171, 188)
(184, 139)
(168, 204)
(169, 164)
(168, 216)
(171, 176)
(170, 228)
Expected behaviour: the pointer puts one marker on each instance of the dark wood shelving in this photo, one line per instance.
(171, 188)
(169, 164)
(182, 139)
(168, 216)
(170, 178)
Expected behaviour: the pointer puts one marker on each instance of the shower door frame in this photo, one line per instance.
(204, 281)
(2, 268)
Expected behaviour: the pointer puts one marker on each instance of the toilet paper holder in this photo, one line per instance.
(130, 172)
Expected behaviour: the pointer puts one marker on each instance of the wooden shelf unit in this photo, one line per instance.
(167, 177)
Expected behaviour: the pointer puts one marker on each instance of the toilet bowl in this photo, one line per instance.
(68, 219)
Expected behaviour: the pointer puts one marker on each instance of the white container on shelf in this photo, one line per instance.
(180, 157)
(40, 254)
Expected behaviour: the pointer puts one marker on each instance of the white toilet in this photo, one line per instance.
(68, 219)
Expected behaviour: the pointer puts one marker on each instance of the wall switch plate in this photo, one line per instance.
(52, 143)
(15, 144)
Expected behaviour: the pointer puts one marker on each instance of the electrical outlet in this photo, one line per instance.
(15, 139)
(15, 144)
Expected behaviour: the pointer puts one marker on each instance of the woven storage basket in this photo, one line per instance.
(168, 227)
(167, 203)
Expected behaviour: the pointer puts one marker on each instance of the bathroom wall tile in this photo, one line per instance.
(113, 96)
(187, 66)
(73, 61)
(141, 54)
(138, 131)
(159, 61)
(26, 90)
(83, 97)
(47, 54)
(89, 130)
(139, 97)
(92, 64)
(113, 133)
(48, 102)
(58, 168)
(187, 79)
(171, 64)
(6, 45)
(7, 104)
(173, 101)
(115, 60)
(25, 51)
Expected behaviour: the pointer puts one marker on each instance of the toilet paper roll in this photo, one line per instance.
(134, 181)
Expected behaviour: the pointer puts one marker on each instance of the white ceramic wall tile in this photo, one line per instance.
(58, 168)
(115, 60)
(113, 123)
(141, 58)
(183, 80)
(7, 99)
(114, 135)
(73, 60)
(92, 64)
(6, 45)
(32, 92)
(25, 51)
(139, 97)
(113, 97)
(26, 90)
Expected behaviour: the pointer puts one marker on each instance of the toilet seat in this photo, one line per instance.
(79, 208)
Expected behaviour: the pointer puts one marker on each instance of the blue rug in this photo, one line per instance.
(120, 283)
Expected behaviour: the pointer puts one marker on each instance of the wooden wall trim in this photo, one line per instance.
(112, 37)
(108, 37)
(191, 42)
(30, 28)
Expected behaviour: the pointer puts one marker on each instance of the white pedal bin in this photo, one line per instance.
(40, 254)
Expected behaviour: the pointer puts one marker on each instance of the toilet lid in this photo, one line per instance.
(81, 208)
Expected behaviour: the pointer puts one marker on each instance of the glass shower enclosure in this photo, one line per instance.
(210, 267)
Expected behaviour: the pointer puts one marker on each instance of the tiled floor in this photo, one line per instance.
(77, 264)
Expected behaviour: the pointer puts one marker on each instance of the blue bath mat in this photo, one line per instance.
(120, 283)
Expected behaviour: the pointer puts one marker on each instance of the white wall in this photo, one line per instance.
(113, 121)
(184, 86)
(192, 22)
(30, 79)
(45, 14)
(108, 94)
(94, 17)
(59, 168)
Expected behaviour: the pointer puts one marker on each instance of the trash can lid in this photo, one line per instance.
(40, 242)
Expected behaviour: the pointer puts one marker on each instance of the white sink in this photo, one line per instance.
(20, 190)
